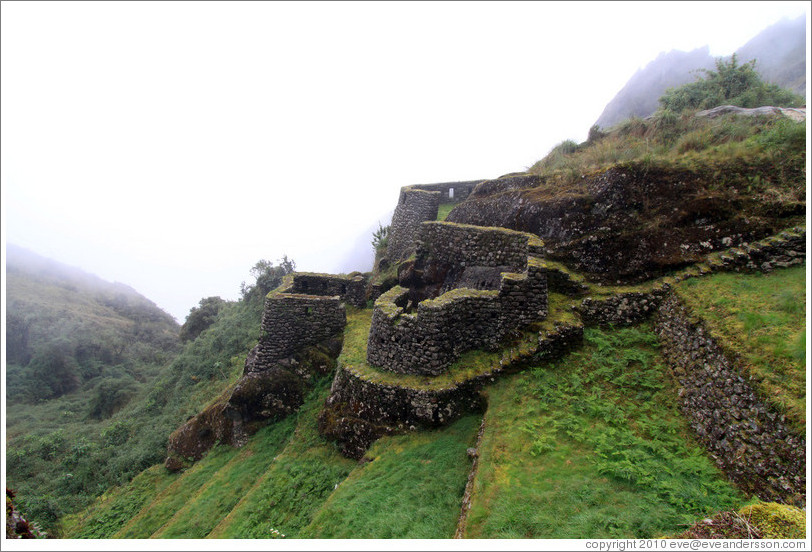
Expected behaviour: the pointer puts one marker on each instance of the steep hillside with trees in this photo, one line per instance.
(97, 378)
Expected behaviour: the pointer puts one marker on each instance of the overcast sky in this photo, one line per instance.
(170, 146)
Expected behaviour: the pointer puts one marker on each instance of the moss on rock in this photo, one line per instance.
(776, 521)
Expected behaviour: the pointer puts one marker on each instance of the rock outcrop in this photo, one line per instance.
(637, 221)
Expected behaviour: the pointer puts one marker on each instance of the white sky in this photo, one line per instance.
(170, 146)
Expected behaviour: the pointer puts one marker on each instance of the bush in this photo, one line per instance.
(380, 239)
(730, 84)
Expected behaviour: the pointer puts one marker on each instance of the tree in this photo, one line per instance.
(201, 317)
(268, 277)
(729, 84)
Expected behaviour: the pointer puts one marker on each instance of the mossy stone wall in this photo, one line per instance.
(429, 341)
(351, 289)
(291, 322)
(414, 207)
(749, 442)
(463, 245)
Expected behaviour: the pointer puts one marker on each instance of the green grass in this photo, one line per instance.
(296, 483)
(114, 508)
(412, 488)
(592, 446)
(683, 142)
(760, 318)
(444, 209)
(221, 492)
(164, 504)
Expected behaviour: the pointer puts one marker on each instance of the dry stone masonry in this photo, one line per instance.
(414, 206)
(302, 335)
(418, 204)
(749, 442)
(428, 341)
(305, 310)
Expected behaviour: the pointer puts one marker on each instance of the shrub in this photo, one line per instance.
(730, 84)
(380, 239)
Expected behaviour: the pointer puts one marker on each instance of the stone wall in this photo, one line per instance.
(451, 192)
(414, 207)
(351, 289)
(749, 442)
(623, 309)
(359, 409)
(786, 249)
(467, 245)
(293, 321)
(428, 341)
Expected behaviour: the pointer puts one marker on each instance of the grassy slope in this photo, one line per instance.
(221, 492)
(761, 318)
(592, 446)
(283, 478)
(296, 483)
(444, 209)
(412, 488)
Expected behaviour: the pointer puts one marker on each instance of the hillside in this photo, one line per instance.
(65, 328)
(131, 379)
(596, 438)
(610, 345)
(779, 50)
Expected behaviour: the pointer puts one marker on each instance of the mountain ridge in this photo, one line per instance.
(779, 49)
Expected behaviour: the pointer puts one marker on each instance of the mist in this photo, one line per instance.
(170, 146)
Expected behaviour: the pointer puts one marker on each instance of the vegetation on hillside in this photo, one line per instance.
(592, 446)
(673, 135)
(730, 84)
(289, 482)
(64, 451)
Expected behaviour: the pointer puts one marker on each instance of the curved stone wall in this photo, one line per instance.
(749, 442)
(428, 341)
(359, 409)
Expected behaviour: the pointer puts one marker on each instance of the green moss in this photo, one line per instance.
(776, 521)
(458, 294)
(532, 239)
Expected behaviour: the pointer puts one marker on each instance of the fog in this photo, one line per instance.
(170, 146)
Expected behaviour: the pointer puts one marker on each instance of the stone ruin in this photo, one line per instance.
(463, 287)
(301, 336)
(469, 287)
(417, 204)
